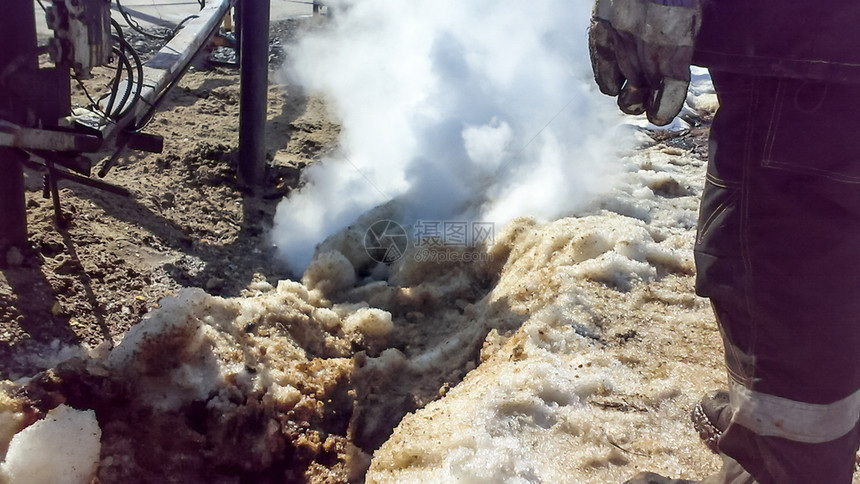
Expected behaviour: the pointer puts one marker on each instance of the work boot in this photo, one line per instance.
(711, 417)
(651, 478)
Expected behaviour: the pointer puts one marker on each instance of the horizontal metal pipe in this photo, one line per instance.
(43, 139)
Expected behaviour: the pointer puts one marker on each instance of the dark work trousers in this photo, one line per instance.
(778, 254)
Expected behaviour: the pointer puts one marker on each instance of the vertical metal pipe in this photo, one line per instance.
(18, 57)
(13, 214)
(254, 68)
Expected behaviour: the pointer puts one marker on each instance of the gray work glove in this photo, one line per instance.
(641, 52)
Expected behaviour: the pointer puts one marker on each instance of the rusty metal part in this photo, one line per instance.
(81, 34)
(48, 139)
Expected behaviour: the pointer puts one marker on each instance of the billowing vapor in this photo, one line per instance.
(480, 110)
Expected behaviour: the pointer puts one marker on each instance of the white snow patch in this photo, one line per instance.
(63, 448)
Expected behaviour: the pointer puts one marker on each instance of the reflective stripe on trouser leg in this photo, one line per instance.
(772, 416)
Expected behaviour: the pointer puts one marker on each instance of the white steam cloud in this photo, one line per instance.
(479, 109)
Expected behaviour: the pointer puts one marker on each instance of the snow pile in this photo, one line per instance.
(63, 448)
(483, 110)
(615, 349)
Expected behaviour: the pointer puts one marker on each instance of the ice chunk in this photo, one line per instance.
(61, 449)
(329, 272)
(369, 322)
(12, 418)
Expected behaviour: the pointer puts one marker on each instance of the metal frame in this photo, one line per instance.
(30, 120)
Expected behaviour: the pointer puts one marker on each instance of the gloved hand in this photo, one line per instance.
(641, 52)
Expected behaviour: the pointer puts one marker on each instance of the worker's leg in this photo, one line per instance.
(778, 253)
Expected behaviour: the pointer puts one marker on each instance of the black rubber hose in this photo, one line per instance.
(137, 79)
(120, 57)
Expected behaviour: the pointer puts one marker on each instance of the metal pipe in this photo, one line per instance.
(60, 174)
(18, 56)
(254, 68)
(13, 212)
(54, 188)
